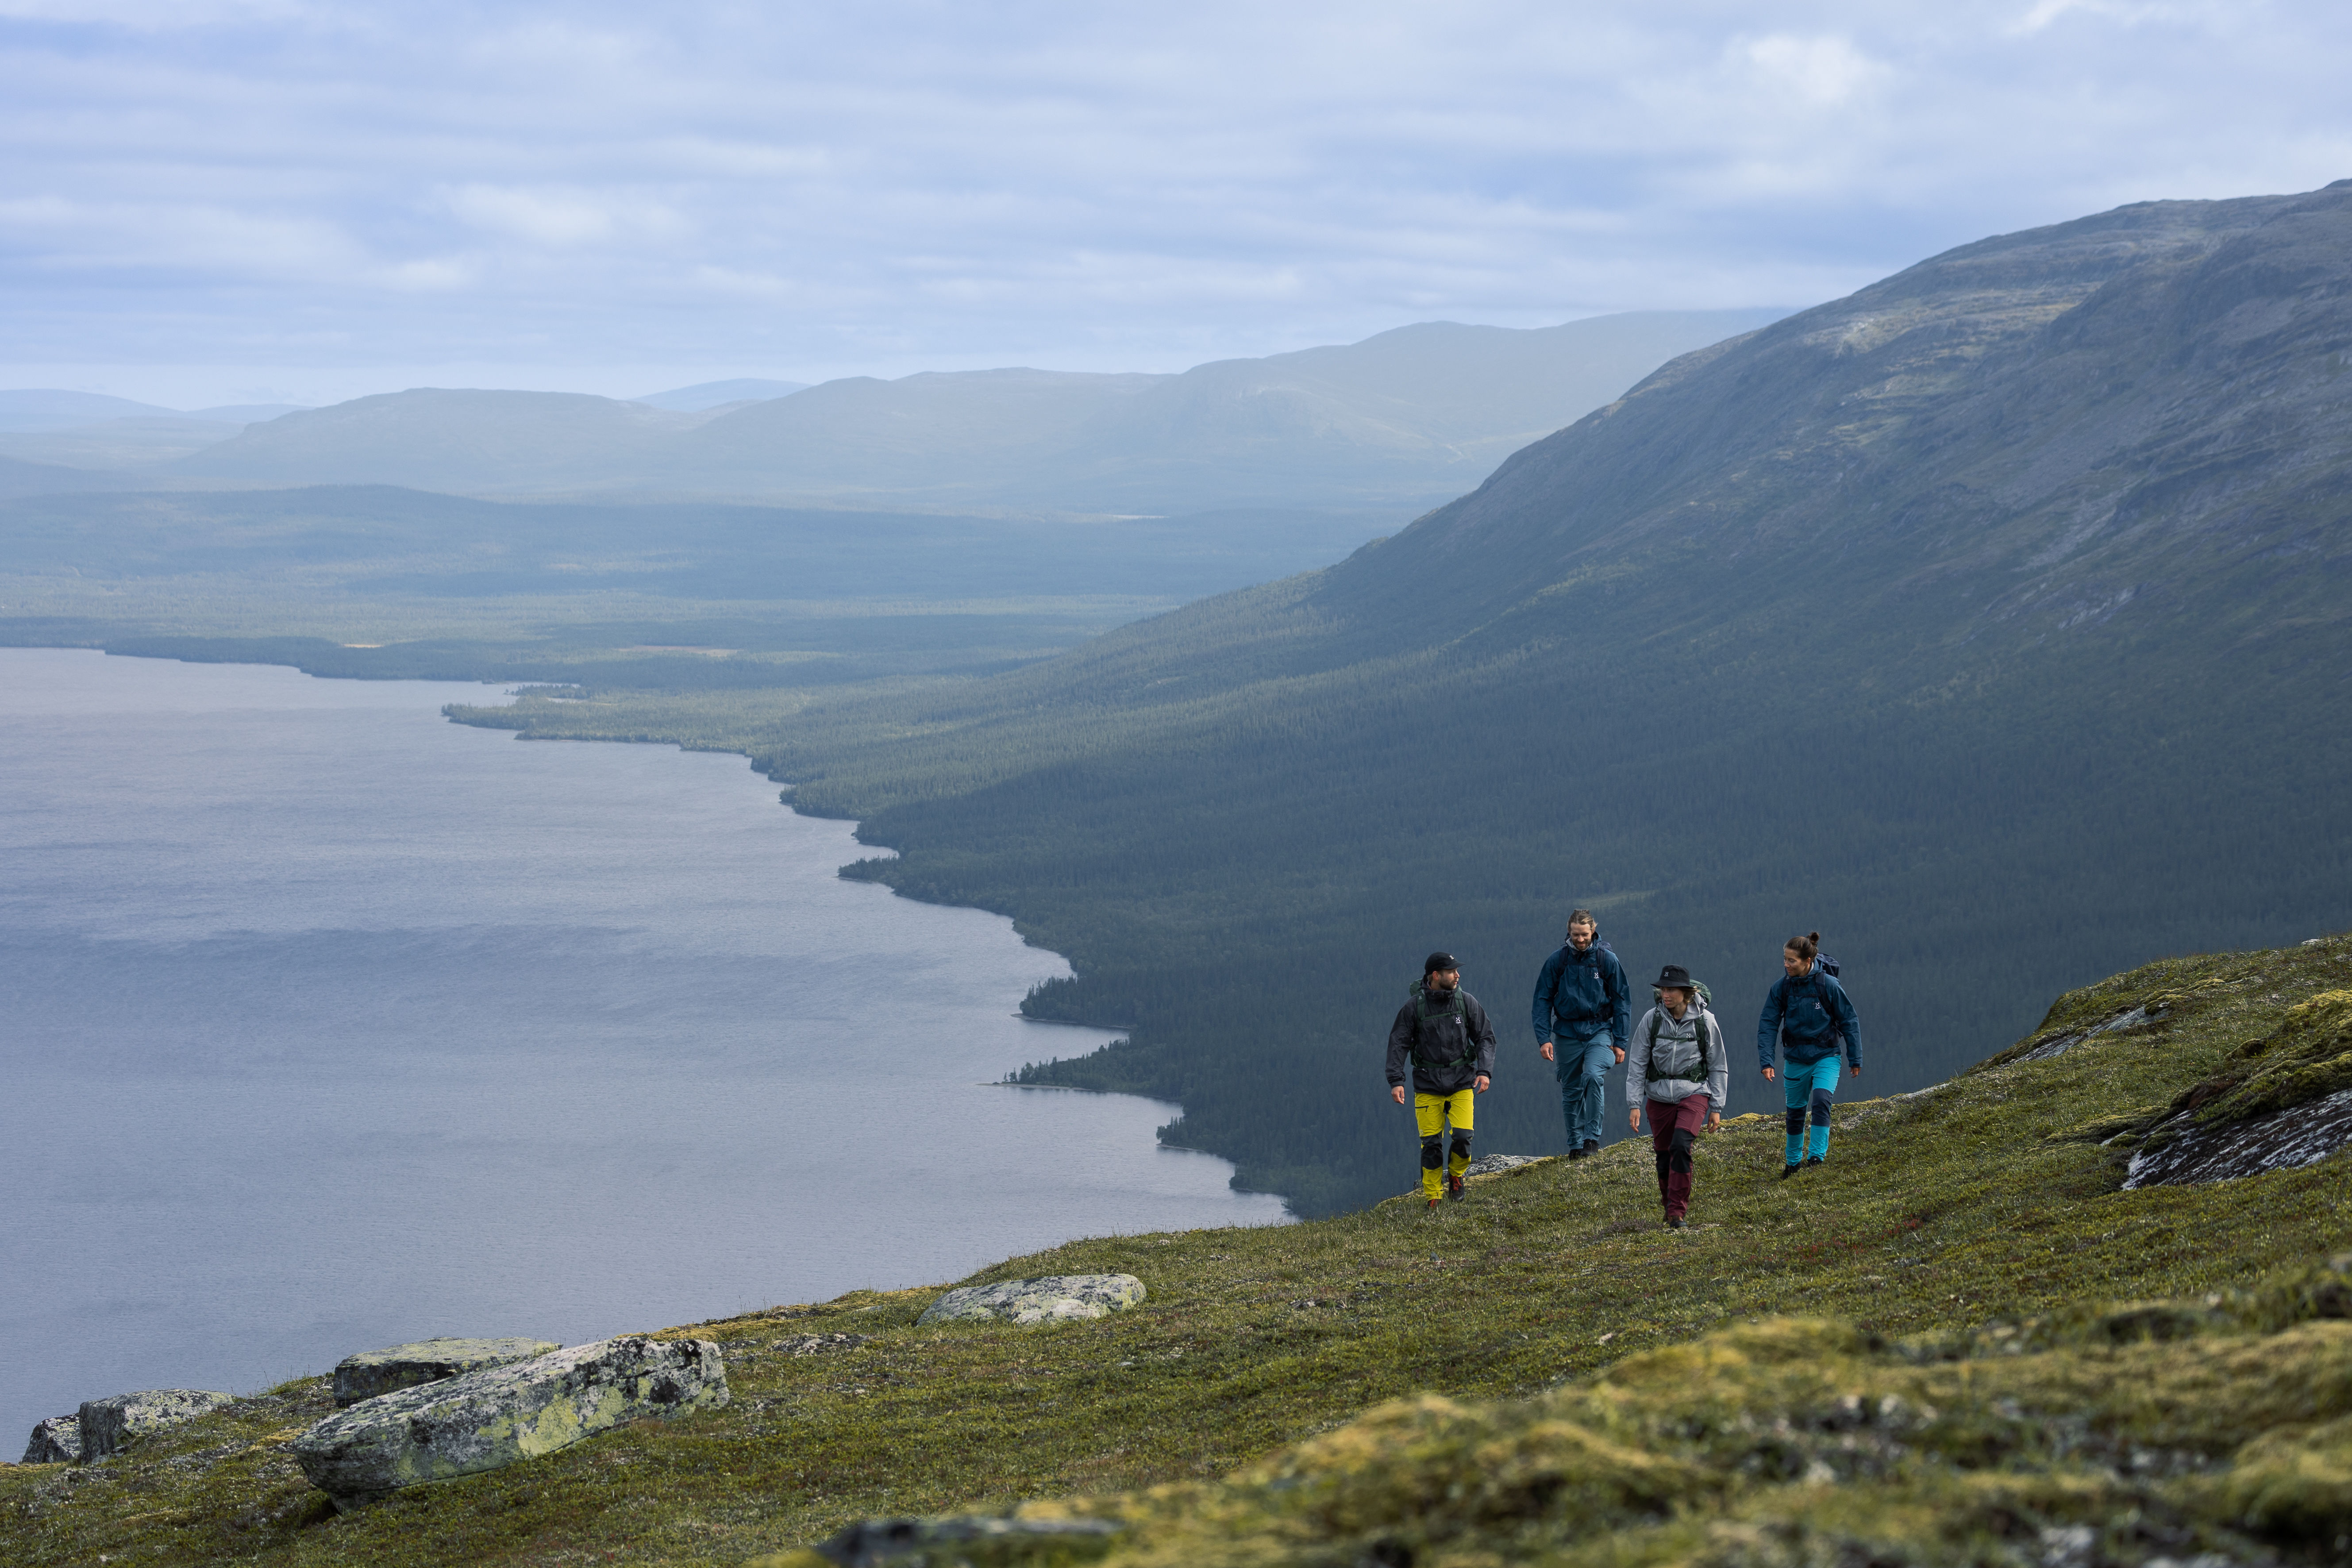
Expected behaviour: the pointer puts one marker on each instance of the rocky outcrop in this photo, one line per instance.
(374, 1373)
(1488, 1164)
(56, 1441)
(487, 1419)
(2279, 1101)
(2296, 1136)
(108, 1424)
(1056, 1298)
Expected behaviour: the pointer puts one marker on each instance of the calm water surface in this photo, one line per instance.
(328, 1025)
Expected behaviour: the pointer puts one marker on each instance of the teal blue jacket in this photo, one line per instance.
(1579, 992)
(1807, 1019)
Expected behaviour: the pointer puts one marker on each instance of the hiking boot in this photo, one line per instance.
(1812, 1159)
(1577, 1153)
(1432, 1206)
(1593, 1145)
(1454, 1187)
(1789, 1171)
(1674, 1221)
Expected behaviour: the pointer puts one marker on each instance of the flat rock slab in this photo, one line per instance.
(2296, 1136)
(374, 1373)
(108, 1424)
(484, 1420)
(56, 1441)
(1487, 1165)
(1056, 1298)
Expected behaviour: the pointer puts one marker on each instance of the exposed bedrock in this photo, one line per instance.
(1056, 1298)
(487, 1419)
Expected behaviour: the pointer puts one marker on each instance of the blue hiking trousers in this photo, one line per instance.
(1810, 1086)
(1583, 1071)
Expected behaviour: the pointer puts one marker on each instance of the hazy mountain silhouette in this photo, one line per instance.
(1405, 418)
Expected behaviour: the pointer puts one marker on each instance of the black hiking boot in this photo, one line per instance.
(1577, 1153)
(1454, 1186)
(1674, 1221)
(1812, 1159)
(1789, 1171)
(1593, 1145)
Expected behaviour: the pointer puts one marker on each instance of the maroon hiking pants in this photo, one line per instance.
(1674, 1127)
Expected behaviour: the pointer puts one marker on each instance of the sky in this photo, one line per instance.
(207, 202)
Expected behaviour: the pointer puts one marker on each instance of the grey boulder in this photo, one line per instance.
(373, 1372)
(484, 1420)
(1493, 1164)
(108, 1424)
(56, 1441)
(1056, 1298)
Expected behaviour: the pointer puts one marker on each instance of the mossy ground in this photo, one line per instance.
(1580, 1383)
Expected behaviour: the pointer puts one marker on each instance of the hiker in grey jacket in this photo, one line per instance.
(1678, 1058)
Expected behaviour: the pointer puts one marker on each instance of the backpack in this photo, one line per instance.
(1826, 964)
(1699, 1027)
(1422, 1016)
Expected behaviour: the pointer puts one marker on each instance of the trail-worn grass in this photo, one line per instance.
(1907, 1355)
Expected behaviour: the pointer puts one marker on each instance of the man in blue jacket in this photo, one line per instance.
(1807, 1015)
(1583, 1007)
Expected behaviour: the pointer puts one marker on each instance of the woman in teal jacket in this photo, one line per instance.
(1807, 1017)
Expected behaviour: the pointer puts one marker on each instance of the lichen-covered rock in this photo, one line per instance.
(484, 1420)
(1488, 1164)
(1056, 1298)
(56, 1441)
(374, 1373)
(108, 1424)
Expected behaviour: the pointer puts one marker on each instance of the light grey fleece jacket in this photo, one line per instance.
(1676, 1056)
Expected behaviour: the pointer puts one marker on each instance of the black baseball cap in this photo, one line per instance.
(1439, 962)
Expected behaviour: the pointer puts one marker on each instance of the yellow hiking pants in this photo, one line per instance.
(1431, 1112)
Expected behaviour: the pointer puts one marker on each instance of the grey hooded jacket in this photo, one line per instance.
(1670, 1070)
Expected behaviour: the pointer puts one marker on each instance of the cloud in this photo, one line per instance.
(802, 189)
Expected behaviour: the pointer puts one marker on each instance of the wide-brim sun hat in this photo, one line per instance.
(1672, 977)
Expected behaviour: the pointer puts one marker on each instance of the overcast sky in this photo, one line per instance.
(206, 201)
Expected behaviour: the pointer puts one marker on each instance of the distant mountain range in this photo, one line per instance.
(1405, 419)
(1995, 621)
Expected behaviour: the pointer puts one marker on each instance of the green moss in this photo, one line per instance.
(1912, 1355)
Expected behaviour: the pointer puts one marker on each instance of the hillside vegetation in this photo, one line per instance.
(1991, 622)
(1962, 1341)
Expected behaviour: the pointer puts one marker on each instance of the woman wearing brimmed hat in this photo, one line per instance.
(1677, 1057)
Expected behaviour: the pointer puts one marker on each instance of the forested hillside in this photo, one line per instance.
(1990, 621)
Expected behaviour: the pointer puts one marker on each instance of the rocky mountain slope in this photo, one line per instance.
(1970, 1341)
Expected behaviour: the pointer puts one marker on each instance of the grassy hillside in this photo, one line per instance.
(1907, 1357)
(1991, 622)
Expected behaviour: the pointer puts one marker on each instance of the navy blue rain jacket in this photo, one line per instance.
(1805, 1018)
(1578, 992)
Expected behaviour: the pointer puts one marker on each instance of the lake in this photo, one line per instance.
(332, 1025)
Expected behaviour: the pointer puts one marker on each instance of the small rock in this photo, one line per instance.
(817, 1344)
(374, 1373)
(56, 1441)
(1056, 1298)
(108, 1424)
(487, 1419)
(1487, 1165)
